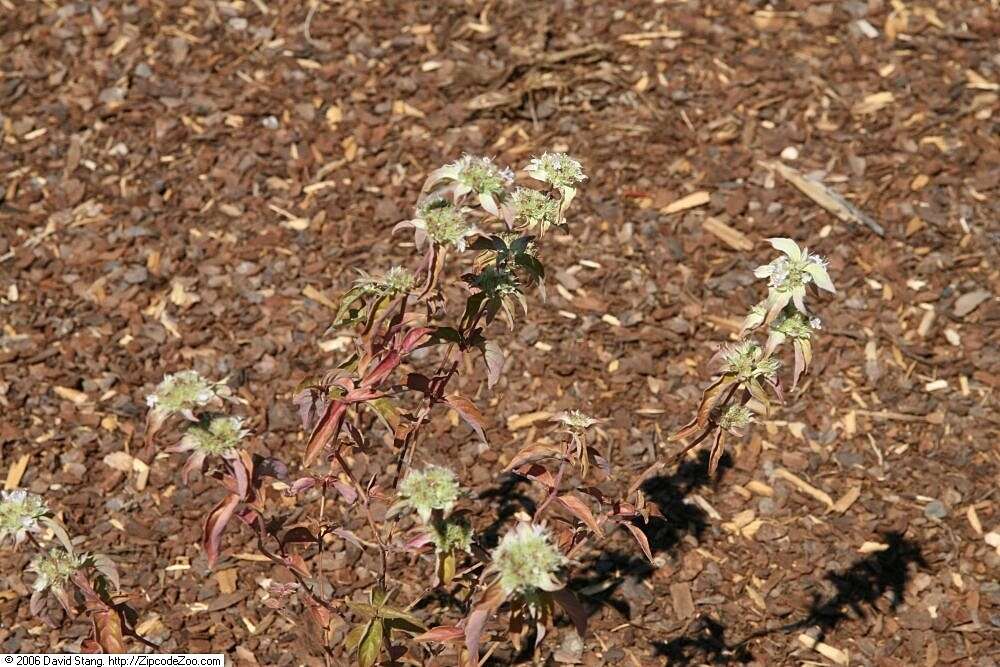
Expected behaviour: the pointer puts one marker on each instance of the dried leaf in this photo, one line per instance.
(579, 509)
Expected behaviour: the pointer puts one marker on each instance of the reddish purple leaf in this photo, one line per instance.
(215, 524)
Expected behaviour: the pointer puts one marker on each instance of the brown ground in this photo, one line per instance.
(175, 174)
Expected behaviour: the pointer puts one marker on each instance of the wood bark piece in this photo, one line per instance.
(825, 197)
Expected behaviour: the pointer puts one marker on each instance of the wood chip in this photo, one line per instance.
(873, 547)
(974, 520)
(516, 422)
(692, 200)
(845, 501)
(680, 596)
(77, 397)
(825, 650)
(16, 472)
(120, 461)
(760, 488)
(872, 103)
(804, 487)
(227, 580)
(311, 292)
(969, 301)
(734, 238)
(826, 198)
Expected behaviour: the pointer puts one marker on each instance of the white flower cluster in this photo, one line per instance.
(527, 560)
(20, 512)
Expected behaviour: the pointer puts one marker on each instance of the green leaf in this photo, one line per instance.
(371, 644)
(363, 609)
(391, 613)
(354, 637)
(386, 412)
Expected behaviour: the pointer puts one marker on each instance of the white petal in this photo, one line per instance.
(820, 277)
(787, 246)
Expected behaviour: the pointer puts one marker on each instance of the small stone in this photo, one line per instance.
(790, 153)
(238, 23)
(136, 275)
(270, 123)
(142, 71)
(935, 510)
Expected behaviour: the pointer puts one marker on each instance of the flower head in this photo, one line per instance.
(747, 361)
(534, 209)
(397, 280)
(54, 568)
(451, 534)
(433, 488)
(796, 325)
(527, 561)
(496, 282)
(795, 270)
(559, 169)
(481, 175)
(735, 417)
(444, 223)
(575, 420)
(19, 514)
(218, 435)
(182, 391)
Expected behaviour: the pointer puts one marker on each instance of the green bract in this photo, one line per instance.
(181, 391)
(527, 561)
(444, 223)
(735, 417)
(576, 420)
(451, 534)
(481, 175)
(496, 282)
(219, 435)
(796, 325)
(396, 280)
(747, 361)
(19, 514)
(54, 568)
(534, 209)
(558, 169)
(433, 488)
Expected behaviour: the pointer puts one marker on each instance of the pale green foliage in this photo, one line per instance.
(482, 175)
(558, 169)
(444, 223)
(433, 488)
(534, 209)
(219, 435)
(396, 280)
(576, 420)
(527, 561)
(747, 361)
(54, 568)
(497, 282)
(181, 391)
(795, 325)
(451, 534)
(19, 514)
(735, 417)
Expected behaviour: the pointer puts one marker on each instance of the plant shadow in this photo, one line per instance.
(622, 571)
(856, 591)
(511, 500)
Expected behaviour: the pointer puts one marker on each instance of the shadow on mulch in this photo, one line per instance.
(598, 584)
(857, 588)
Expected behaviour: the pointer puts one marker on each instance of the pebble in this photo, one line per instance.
(935, 510)
(238, 23)
(136, 275)
(790, 153)
(270, 123)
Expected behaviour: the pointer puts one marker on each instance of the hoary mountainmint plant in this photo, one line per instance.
(81, 583)
(746, 373)
(471, 204)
